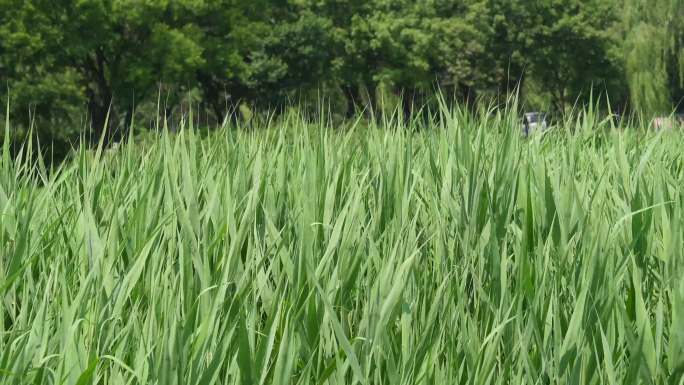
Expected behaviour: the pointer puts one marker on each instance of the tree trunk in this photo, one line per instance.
(128, 118)
(412, 101)
(353, 99)
(212, 96)
(407, 103)
(99, 99)
(98, 113)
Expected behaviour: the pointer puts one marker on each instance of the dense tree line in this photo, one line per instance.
(65, 63)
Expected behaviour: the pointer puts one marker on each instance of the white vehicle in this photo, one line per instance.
(534, 122)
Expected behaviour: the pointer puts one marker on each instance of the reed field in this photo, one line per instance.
(442, 251)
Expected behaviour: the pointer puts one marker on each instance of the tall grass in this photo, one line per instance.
(457, 253)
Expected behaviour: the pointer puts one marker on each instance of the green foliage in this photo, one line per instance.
(654, 42)
(104, 54)
(298, 254)
(573, 49)
(71, 63)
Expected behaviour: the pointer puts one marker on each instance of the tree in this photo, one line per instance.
(406, 46)
(351, 61)
(508, 25)
(654, 53)
(108, 53)
(232, 35)
(573, 50)
(41, 92)
(300, 41)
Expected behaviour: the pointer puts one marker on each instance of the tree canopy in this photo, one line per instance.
(105, 62)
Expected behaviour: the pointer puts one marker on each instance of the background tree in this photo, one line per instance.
(426, 43)
(108, 54)
(68, 62)
(350, 61)
(42, 92)
(233, 37)
(573, 49)
(654, 53)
